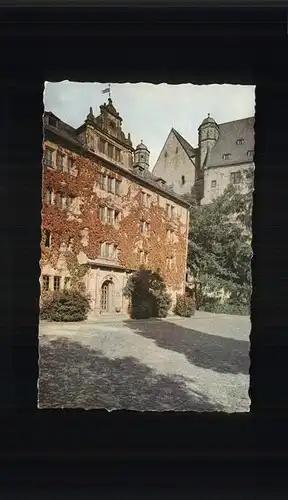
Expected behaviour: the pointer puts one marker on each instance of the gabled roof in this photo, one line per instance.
(185, 145)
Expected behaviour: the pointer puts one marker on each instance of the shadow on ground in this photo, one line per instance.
(221, 354)
(75, 376)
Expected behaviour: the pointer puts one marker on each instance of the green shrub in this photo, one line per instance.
(146, 290)
(185, 306)
(228, 307)
(68, 305)
(141, 310)
(163, 304)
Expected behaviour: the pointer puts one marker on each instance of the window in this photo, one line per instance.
(213, 184)
(183, 180)
(167, 209)
(69, 202)
(141, 255)
(108, 250)
(148, 200)
(47, 238)
(172, 211)
(102, 181)
(144, 226)
(56, 283)
(59, 161)
(70, 164)
(250, 153)
(49, 196)
(45, 283)
(179, 211)
(226, 156)
(116, 216)
(176, 150)
(165, 154)
(110, 150)
(48, 157)
(117, 154)
(101, 146)
(239, 141)
(103, 214)
(115, 251)
(235, 177)
(70, 243)
(67, 281)
(110, 214)
(110, 185)
(117, 187)
(59, 200)
(170, 235)
(102, 249)
(63, 202)
(143, 198)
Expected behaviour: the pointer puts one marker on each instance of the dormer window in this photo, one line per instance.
(226, 156)
(52, 121)
(250, 153)
(240, 141)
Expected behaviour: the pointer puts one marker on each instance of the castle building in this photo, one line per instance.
(104, 214)
(223, 155)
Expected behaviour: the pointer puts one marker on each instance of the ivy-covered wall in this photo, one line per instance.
(78, 230)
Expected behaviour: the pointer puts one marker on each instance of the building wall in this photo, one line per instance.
(222, 177)
(172, 165)
(78, 232)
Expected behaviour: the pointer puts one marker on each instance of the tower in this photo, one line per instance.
(141, 156)
(208, 134)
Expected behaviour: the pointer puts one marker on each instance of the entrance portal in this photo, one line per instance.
(106, 296)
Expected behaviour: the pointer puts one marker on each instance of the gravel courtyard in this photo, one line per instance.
(199, 363)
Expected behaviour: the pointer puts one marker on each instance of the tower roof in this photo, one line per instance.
(142, 146)
(209, 119)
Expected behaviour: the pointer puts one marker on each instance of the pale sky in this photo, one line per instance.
(150, 111)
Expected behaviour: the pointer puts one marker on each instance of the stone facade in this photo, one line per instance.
(223, 155)
(104, 214)
(176, 164)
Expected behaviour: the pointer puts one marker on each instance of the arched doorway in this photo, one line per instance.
(106, 296)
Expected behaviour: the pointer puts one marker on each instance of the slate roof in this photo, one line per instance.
(229, 132)
(185, 145)
(62, 129)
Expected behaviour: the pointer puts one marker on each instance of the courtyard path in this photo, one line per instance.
(199, 363)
